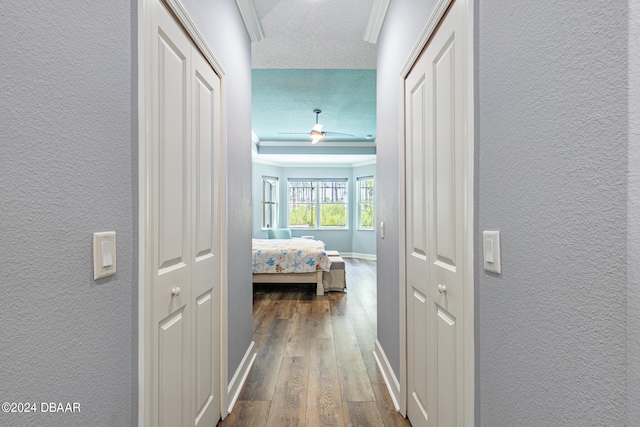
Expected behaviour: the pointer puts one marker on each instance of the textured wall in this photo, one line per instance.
(633, 212)
(552, 156)
(402, 27)
(67, 169)
(221, 25)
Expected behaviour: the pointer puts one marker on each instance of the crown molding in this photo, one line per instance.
(378, 13)
(251, 20)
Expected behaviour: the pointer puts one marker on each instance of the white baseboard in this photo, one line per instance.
(393, 385)
(371, 257)
(239, 378)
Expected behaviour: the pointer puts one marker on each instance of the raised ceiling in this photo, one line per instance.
(314, 56)
(284, 101)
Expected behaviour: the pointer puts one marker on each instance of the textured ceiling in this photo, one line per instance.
(314, 56)
(284, 100)
(314, 34)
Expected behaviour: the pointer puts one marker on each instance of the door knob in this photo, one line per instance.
(442, 288)
(175, 291)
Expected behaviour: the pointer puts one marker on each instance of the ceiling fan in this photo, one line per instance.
(317, 133)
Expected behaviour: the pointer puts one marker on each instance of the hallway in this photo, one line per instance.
(315, 364)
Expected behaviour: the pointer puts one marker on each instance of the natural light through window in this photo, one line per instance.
(365, 203)
(269, 202)
(318, 203)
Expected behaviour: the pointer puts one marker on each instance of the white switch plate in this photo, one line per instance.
(491, 251)
(105, 241)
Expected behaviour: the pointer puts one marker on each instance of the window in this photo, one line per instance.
(269, 202)
(318, 203)
(365, 203)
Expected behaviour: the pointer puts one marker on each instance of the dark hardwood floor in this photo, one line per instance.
(315, 364)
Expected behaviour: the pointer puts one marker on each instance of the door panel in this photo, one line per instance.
(170, 209)
(171, 340)
(184, 206)
(444, 165)
(205, 265)
(172, 147)
(203, 139)
(447, 370)
(435, 177)
(204, 363)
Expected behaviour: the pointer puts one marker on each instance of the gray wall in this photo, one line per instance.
(551, 162)
(551, 106)
(68, 168)
(402, 27)
(221, 25)
(633, 212)
(68, 162)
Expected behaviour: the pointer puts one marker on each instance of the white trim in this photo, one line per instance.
(144, 293)
(240, 377)
(376, 19)
(390, 380)
(365, 163)
(426, 34)
(468, 329)
(470, 356)
(184, 19)
(370, 257)
(251, 20)
(224, 253)
(257, 159)
(307, 143)
(143, 340)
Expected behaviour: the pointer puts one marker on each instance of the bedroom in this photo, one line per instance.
(313, 148)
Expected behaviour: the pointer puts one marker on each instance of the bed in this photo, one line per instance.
(290, 261)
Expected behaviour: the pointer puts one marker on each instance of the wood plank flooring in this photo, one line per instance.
(315, 364)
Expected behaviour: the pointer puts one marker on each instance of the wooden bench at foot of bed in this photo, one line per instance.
(313, 277)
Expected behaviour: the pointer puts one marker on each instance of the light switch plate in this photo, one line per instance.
(491, 251)
(105, 241)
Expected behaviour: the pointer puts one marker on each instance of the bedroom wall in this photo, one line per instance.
(402, 27)
(551, 158)
(68, 165)
(221, 25)
(345, 241)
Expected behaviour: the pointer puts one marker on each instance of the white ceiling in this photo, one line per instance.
(317, 34)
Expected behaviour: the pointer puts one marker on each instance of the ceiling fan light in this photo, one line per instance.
(316, 136)
(317, 128)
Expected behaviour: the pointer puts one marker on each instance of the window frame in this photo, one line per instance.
(316, 203)
(273, 182)
(360, 202)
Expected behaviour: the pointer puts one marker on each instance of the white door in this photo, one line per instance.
(205, 281)
(184, 227)
(436, 176)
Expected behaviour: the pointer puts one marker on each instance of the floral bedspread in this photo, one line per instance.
(289, 256)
